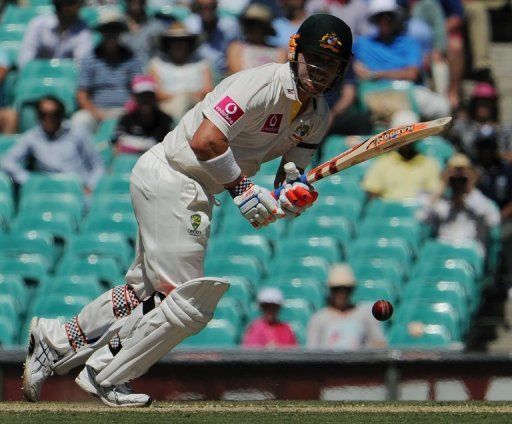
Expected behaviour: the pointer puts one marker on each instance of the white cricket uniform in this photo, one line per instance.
(172, 193)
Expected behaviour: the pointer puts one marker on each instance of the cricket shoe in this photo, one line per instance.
(39, 362)
(118, 396)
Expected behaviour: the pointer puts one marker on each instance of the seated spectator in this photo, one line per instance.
(146, 124)
(256, 23)
(464, 215)
(403, 173)
(353, 12)
(294, 13)
(62, 35)
(268, 331)
(342, 325)
(54, 146)
(105, 75)
(182, 79)
(481, 120)
(8, 116)
(217, 32)
(143, 31)
(392, 55)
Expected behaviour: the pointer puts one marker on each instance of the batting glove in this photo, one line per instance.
(295, 198)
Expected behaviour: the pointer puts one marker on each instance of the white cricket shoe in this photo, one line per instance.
(39, 362)
(115, 396)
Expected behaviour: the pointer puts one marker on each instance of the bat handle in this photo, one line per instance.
(292, 175)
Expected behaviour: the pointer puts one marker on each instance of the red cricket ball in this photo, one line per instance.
(382, 310)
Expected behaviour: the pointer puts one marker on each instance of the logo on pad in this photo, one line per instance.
(272, 123)
(229, 110)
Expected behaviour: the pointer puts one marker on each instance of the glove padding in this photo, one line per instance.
(258, 206)
(295, 198)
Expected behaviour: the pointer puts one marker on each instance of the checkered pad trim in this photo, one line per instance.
(75, 334)
(244, 185)
(115, 344)
(124, 301)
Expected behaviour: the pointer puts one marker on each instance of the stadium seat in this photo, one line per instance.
(373, 290)
(6, 210)
(102, 244)
(300, 332)
(105, 269)
(312, 225)
(123, 164)
(250, 245)
(62, 69)
(218, 333)
(30, 242)
(113, 185)
(418, 336)
(6, 142)
(107, 222)
(436, 147)
(73, 285)
(377, 269)
(307, 266)
(12, 32)
(338, 185)
(20, 15)
(8, 334)
(386, 209)
(112, 203)
(241, 291)
(6, 186)
(60, 224)
(32, 268)
(13, 285)
(324, 247)
(296, 310)
(235, 266)
(269, 168)
(53, 203)
(54, 184)
(228, 309)
(308, 289)
(344, 206)
(8, 309)
(238, 225)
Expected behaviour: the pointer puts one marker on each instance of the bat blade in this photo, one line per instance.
(388, 140)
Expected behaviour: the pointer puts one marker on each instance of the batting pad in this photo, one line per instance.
(147, 338)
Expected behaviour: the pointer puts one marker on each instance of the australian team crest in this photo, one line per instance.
(301, 131)
(195, 221)
(331, 41)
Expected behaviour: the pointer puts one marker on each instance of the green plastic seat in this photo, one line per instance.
(308, 289)
(235, 266)
(53, 184)
(269, 168)
(238, 225)
(53, 203)
(229, 309)
(104, 268)
(445, 269)
(57, 306)
(13, 285)
(441, 313)
(114, 184)
(296, 310)
(332, 146)
(8, 334)
(29, 242)
(337, 185)
(8, 309)
(250, 245)
(32, 268)
(123, 164)
(6, 143)
(373, 290)
(106, 130)
(241, 291)
(324, 247)
(431, 336)
(6, 210)
(112, 203)
(313, 225)
(377, 268)
(386, 209)
(107, 222)
(12, 32)
(218, 333)
(436, 147)
(63, 69)
(102, 244)
(6, 186)
(60, 225)
(73, 285)
(307, 266)
(344, 206)
(18, 15)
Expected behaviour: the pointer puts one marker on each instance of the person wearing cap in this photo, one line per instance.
(106, 74)
(268, 331)
(254, 49)
(145, 125)
(461, 213)
(182, 79)
(341, 325)
(404, 173)
(62, 35)
(389, 55)
(254, 116)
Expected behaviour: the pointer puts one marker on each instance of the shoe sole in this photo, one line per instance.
(89, 388)
(27, 389)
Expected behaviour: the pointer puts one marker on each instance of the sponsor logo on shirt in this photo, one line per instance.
(229, 110)
(272, 123)
(195, 222)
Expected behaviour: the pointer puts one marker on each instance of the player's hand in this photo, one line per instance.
(295, 198)
(258, 206)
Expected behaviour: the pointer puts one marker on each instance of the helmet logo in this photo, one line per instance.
(331, 41)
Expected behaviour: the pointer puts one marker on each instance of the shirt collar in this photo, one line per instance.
(287, 81)
(64, 128)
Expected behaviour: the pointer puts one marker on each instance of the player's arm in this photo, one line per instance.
(211, 147)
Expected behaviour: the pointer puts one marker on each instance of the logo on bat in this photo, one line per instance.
(390, 135)
(331, 41)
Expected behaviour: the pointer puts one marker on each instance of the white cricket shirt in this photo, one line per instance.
(256, 111)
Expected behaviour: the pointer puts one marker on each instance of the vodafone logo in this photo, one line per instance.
(229, 110)
(272, 123)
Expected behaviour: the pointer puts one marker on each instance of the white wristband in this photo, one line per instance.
(223, 169)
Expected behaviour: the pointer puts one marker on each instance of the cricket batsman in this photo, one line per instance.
(254, 116)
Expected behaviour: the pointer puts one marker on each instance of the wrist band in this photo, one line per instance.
(244, 185)
(223, 168)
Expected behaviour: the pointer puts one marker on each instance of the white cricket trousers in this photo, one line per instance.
(173, 213)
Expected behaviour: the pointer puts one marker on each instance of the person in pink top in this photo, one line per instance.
(267, 331)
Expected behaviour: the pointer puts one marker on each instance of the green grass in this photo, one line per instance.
(259, 412)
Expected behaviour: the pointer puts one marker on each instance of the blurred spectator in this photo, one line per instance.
(54, 146)
(62, 35)
(106, 75)
(8, 116)
(146, 124)
(342, 325)
(353, 12)
(294, 13)
(254, 51)
(216, 32)
(403, 173)
(464, 215)
(182, 78)
(392, 55)
(481, 120)
(143, 31)
(268, 331)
